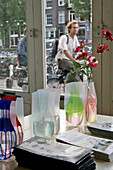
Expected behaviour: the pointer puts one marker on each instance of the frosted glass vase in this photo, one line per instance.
(46, 120)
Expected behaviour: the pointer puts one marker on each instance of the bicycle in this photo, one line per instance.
(58, 80)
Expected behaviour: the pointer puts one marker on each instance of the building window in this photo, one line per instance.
(47, 35)
(12, 32)
(69, 4)
(49, 19)
(48, 3)
(71, 16)
(12, 40)
(52, 34)
(61, 16)
(61, 2)
(60, 32)
(16, 40)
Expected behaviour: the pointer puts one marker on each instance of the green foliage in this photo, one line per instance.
(76, 65)
(77, 68)
(82, 8)
(11, 13)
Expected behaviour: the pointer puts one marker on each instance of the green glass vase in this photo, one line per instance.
(76, 96)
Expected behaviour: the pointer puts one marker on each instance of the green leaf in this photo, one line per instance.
(76, 65)
(84, 67)
(73, 73)
(82, 71)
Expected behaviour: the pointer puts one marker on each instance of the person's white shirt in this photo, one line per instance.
(63, 45)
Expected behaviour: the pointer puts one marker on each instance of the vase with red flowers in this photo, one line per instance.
(86, 66)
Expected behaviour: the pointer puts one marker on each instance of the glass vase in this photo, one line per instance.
(91, 104)
(75, 98)
(8, 136)
(11, 128)
(46, 121)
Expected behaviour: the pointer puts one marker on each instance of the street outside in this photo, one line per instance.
(3, 84)
(12, 76)
(9, 69)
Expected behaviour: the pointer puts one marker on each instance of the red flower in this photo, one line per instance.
(78, 49)
(83, 55)
(80, 56)
(108, 35)
(102, 48)
(111, 38)
(82, 44)
(93, 62)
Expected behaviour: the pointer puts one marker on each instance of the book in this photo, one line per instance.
(53, 155)
(103, 148)
(102, 129)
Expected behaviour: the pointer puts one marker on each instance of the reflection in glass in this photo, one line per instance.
(12, 24)
(57, 18)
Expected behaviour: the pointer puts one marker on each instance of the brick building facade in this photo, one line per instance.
(58, 14)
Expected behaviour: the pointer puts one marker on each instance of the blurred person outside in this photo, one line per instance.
(22, 50)
(66, 47)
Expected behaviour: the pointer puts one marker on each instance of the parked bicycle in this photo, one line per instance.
(4, 66)
(58, 80)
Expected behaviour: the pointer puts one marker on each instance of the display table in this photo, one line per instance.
(28, 133)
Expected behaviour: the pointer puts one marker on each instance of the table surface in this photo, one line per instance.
(28, 133)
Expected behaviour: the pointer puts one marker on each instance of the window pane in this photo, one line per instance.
(13, 58)
(72, 16)
(49, 19)
(61, 2)
(59, 18)
(48, 3)
(60, 32)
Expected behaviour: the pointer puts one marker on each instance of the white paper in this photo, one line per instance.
(55, 150)
(100, 145)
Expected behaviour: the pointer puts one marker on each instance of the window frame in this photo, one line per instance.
(71, 15)
(47, 20)
(69, 4)
(48, 32)
(60, 31)
(59, 3)
(36, 54)
(35, 20)
(61, 15)
(30, 51)
(99, 75)
(50, 7)
(52, 34)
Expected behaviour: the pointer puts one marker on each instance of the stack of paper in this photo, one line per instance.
(103, 148)
(35, 153)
